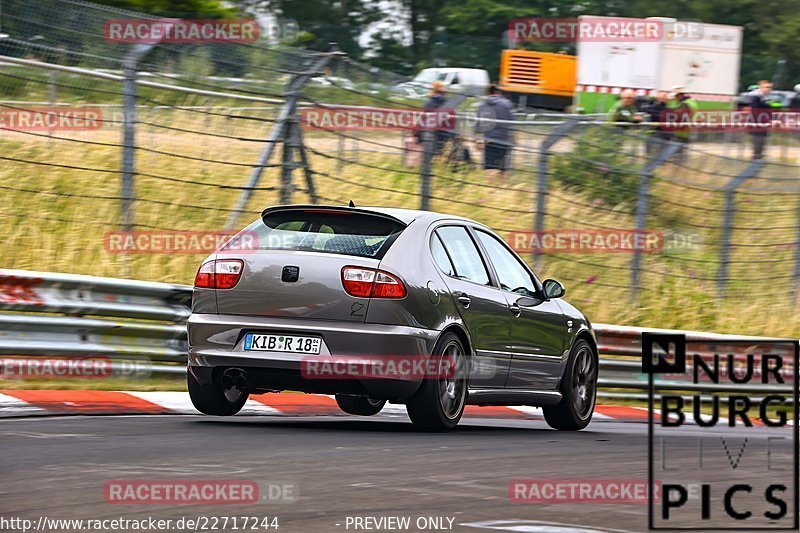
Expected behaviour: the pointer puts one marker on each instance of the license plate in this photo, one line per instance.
(282, 343)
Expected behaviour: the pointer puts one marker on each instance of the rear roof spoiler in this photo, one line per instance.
(331, 208)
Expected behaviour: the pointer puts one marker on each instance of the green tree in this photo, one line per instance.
(201, 9)
(323, 21)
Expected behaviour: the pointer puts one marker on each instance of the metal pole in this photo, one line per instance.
(51, 88)
(129, 70)
(279, 131)
(542, 178)
(403, 160)
(663, 156)
(312, 190)
(428, 147)
(340, 153)
(288, 163)
(796, 276)
(51, 92)
(725, 241)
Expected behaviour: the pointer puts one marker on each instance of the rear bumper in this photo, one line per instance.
(216, 343)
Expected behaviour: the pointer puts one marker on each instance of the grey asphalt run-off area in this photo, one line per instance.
(58, 466)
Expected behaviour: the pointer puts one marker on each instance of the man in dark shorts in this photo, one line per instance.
(498, 138)
(761, 111)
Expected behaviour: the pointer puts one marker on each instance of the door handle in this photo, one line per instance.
(516, 309)
(465, 300)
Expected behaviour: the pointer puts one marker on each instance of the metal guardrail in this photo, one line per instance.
(42, 295)
(51, 314)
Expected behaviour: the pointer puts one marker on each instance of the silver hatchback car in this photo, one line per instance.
(374, 305)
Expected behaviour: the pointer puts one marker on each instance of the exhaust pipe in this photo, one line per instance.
(234, 378)
(241, 382)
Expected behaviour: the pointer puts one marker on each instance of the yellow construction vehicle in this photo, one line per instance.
(538, 79)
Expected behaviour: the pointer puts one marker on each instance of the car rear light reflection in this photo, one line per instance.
(358, 281)
(205, 276)
(370, 283)
(219, 274)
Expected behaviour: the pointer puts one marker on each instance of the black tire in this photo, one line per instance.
(578, 390)
(359, 405)
(213, 399)
(439, 402)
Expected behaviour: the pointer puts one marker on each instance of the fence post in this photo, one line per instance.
(287, 162)
(428, 147)
(725, 241)
(130, 64)
(51, 88)
(541, 186)
(340, 154)
(667, 151)
(403, 160)
(281, 131)
(297, 135)
(796, 273)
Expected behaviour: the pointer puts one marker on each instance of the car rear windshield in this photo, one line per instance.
(332, 231)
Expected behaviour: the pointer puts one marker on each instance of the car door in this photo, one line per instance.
(537, 334)
(482, 306)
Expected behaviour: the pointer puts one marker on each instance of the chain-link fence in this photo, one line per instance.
(192, 137)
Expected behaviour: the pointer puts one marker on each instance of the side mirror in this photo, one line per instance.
(553, 289)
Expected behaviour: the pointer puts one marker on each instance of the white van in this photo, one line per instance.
(472, 81)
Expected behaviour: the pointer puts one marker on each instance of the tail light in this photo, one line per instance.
(219, 274)
(370, 283)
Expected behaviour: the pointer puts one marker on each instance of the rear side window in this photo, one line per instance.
(440, 256)
(319, 230)
(466, 258)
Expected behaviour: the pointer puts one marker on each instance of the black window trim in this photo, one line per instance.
(487, 267)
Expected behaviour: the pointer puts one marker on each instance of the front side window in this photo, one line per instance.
(511, 274)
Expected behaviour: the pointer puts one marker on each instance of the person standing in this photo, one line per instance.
(761, 111)
(684, 106)
(655, 114)
(498, 138)
(436, 101)
(436, 97)
(624, 110)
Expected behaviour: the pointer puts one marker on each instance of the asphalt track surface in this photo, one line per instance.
(57, 467)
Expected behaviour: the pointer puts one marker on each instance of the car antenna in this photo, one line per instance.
(351, 204)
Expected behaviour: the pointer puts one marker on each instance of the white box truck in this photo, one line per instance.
(705, 63)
